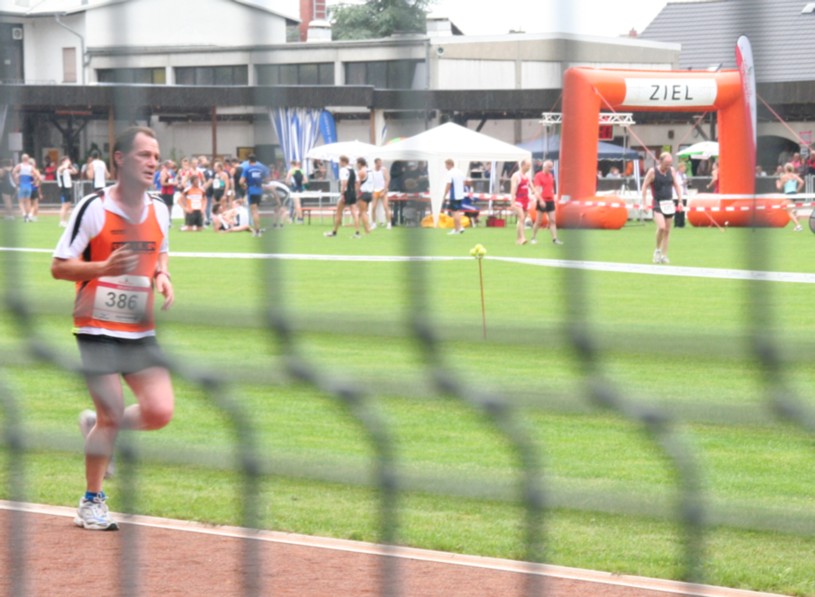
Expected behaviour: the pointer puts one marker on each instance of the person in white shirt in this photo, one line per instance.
(65, 174)
(381, 182)
(98, 172)
(454, 191)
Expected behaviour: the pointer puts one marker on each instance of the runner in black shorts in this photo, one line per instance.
(365, 193)
(663, 182)
(348, 196)
(544, 186)
(545, 206)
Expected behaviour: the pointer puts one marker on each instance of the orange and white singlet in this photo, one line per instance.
(120, 306)
(195, 198)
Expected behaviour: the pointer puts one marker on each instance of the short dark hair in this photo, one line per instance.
(253, 157)
(125, 139)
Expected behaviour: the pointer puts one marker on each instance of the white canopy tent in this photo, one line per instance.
(331, 152)
(452, 141)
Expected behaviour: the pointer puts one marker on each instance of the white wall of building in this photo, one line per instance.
(476, 74)
(540, 75)
(43, 43)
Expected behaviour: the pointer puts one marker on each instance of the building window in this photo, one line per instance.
(319, 73)
(69, 65)
(212, 75)
(383, 74)
(141, 76)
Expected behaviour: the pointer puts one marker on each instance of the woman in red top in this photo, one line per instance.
(520, 200)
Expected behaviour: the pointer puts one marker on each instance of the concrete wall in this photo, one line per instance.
(42, 48)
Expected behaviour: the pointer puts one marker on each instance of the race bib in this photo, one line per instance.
(217, 183)
(667, 207)
(121, 299)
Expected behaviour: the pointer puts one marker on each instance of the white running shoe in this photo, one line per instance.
(94, 515)
(87, 419)
(534, 241)
(329, 234)
(657, 256)
(797, 228)
(452, 232)
(373, 225)
(388, 226)
(557, 241)
(664, 259)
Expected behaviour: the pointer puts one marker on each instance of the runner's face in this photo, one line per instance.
(140, 163)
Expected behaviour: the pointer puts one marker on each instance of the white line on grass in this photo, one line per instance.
(409, 553)
(667, 270)
(597, 266)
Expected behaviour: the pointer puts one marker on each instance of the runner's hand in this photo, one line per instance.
(164, 286)
(122, 261)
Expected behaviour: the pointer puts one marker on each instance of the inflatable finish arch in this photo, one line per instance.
(586, 91)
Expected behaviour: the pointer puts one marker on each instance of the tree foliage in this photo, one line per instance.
(378, 18)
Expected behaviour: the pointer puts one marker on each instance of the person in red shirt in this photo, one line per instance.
(115, 249)
(544, 185)
(167, 186)
(520, 192)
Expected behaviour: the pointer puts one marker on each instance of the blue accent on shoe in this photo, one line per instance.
(90, 495)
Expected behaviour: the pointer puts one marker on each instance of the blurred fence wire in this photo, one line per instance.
(290, 363)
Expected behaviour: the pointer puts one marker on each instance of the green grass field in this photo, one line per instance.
(679, 345)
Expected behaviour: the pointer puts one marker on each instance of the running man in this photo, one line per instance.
(116, 250)
(663, 181)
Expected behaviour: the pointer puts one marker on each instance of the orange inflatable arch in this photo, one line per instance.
(587, 91)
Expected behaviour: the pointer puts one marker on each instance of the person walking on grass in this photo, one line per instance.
(454, 191)
(252, 179)
(663, 182)
(115, 249)
(791, 183)
(365, 193)
(381, 182)
(348, 198)
(543, 186)
(65, 182)
(519, 190)
(26, 178)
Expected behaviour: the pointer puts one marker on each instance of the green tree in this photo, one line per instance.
(378, 18)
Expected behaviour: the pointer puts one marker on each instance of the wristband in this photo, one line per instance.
(156, 275)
